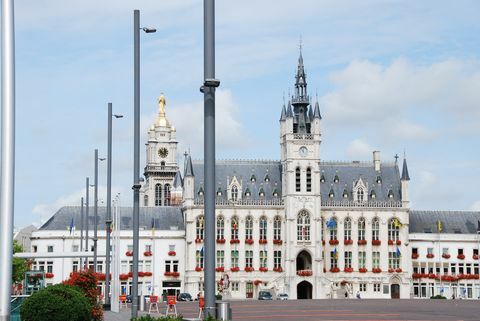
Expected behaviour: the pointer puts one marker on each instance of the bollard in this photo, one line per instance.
(224, 311)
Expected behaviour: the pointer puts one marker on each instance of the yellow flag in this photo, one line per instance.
(397, 223)
(439, 226)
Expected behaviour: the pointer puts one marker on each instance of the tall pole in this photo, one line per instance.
(209, 153)
(82, 224)
(108, 221)
(8, 157)
(136, 157)
(87, 218)
(95, 212)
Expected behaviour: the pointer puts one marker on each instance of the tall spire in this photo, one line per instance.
(300, 100)
(283, 116)
(289, 110)
(316, 113)
(188, 167)
(405, 176)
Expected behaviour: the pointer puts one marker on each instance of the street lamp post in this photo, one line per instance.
(7, 157)
(208, 89)
(136, 154)
(108, 220)
(95, 211)
(82, 224)
(87, 205)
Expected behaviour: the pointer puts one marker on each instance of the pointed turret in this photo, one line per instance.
(300, 100)
(405, 176)
(289, 110)
(283, 116)
(316, 113)
(188, 167)
(404, 181)
(178, 180)
(310, 114)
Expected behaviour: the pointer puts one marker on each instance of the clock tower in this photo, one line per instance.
(162, 176)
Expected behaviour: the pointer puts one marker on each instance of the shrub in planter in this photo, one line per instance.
(58, 302)
(87, 282)
(438, 296)
(218, 296)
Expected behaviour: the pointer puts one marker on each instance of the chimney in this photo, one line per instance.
(376, 160)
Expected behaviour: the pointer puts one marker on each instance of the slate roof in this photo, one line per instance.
(164, 218)
(350, 172)
(454, 222)
(243, 170)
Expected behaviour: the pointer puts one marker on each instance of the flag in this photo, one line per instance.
(71, 228)
(153, 226)
(201, 251)
(478, 226)
(335, 254)
(331, 223)
(399, 254)
(397, 223)
(439, 226)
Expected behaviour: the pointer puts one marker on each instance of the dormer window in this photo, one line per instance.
(345, 193)
(247, 193)
(336, 179)
(219, 192)
(379, 180)
(253, 179)
(266, 179)
(360, 195)
(331, 194)
(200, 191)
(322, 179)
(234, 193)
(390, 194)
(275, 193)
(373, 194)
(261, 193)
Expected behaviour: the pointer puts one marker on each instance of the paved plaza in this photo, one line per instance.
(338, 310)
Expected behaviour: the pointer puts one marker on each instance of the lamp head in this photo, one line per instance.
(118, 116)
(149, 30)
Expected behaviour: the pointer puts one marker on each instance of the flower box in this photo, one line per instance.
(147, 273)
(198, 269)
(141, 274)
(415, 256)
(399, 270)
(377, 270)
(362, 270)
(399, 242)
(475, 256)
(235, 269)
(220, 269)
(390, 242)
(123, 277)
(446, 256)
(348, 270)
(129, 253)
(391, 270)
(147, 253)
(348, 242)
(172, 253)
(263, 269)
(278, 269)
(277, 242)
(257, 282)
(430, 256)
(305, 273)
(130, 274)
(49, 275)
(333, 242)
(249, 269)
(234, 241)
(432, 276)
(461, 256)
(220, 241)
(335, 270)
(101, 276)
(263, 241)
(249, 241)
(174, 274)
(362, 242)
(198, 240)
(376, 242)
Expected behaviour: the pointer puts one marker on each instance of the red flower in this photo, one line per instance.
(220, 269)
(377, 270)
(415, 255)
(234, 241)
(430, 256)
(399, 242)
(391, 270)
(333, 242)
(446, 256)
(348, 242)
(235, 269)
(335, 270)
(198, 240)
(362, 270)
(249, 269)
(432, 276)
(172, 253)
(262, 241)
(220, 241)
(257, 282)
(348, 270)
(123, 277)
(249, 241)
(263, 269)
(198, 269)
(376, 242)
(49, 275)
(141, 274)
(362, 242)
(147, 253)
(277, 242)
(475, 256)
(147, 273)
(129, 253)
(278, 269)
(461, 256)
(174, 274)
(304, 273)
(323, 242)
(399, 270)
(390, 242)
(130, 274)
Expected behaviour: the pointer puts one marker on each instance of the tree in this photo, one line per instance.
(19, 266)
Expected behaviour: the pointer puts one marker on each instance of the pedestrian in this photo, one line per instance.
(358, 295)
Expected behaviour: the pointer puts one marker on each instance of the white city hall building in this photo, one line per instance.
(303, 226)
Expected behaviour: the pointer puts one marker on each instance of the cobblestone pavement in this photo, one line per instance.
(338, 310)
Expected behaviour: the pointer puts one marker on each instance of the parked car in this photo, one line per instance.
(265, 295)
(282, 296)
(184, 297)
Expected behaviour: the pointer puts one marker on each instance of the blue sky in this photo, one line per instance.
(389, 75)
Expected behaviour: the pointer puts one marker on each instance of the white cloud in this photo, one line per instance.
(476, 206)
(358, 148)
(408, 130)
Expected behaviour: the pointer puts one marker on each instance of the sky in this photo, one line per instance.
(401, 77)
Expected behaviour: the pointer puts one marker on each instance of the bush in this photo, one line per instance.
(438, 296)
(87, 282)
(56, 303)
(218, 296)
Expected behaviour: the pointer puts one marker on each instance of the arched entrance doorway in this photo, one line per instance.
(304, 290)
(395, 291)
(304, 261)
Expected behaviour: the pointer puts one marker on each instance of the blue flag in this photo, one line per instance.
(71, 226)
(331, 223)
(398, 252)
(201, 251)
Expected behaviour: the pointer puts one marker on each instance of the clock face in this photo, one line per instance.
(163, 152)
(303, 151)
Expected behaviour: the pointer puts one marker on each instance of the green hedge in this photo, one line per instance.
(58, 302)
(438, 297)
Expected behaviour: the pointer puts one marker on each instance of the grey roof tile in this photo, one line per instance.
(453, 222)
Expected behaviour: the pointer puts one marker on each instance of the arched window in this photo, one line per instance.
(234, 228)
(263, 228)
(297, 179)
(347, 229)
(220, 228)
(309, 179)
(249, 228)
(158, 195)
(166, 195)
(199, 228)
(277, 228)
(361, 228)
(234, 193)
(360, 195)
(303, 226)
(375, 229)
(332, 225)
(145, 200)
(394, 229)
